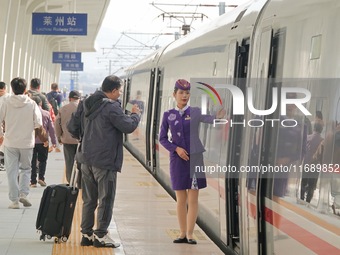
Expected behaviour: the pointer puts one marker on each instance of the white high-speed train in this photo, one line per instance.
(256, 202)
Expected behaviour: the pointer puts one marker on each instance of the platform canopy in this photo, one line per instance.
(30, 55)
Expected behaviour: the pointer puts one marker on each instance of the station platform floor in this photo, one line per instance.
(144, 218)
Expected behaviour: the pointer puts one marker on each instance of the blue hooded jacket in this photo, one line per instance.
(102, 123)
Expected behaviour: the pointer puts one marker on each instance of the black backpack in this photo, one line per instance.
(53, 101)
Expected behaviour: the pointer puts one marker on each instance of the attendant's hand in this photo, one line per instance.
(46, 144)
(221, 113)
(182, 153)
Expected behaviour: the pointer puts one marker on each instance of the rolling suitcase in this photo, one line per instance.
(56, 210)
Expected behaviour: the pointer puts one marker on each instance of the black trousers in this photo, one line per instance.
(69, 154)
(39, 161)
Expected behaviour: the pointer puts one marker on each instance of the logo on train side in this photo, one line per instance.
(288, 96)
(212, 93)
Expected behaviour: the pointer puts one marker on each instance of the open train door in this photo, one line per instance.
(126, 96)
(251, 186)
(264, 183)
(150, 134)
(153, 115)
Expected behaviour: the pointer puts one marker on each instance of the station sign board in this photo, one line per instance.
(66, 57)
(44, 23)
(72, 66)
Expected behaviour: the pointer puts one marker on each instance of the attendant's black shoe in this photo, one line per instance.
(181, 240)
(192, 241)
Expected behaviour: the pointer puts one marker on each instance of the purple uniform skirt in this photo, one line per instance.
(182, 172)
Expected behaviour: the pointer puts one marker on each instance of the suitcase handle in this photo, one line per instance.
(74, 176)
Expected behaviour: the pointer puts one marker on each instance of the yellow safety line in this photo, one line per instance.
(72, 246)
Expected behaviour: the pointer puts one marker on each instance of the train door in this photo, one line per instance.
(250, 156)
(126, 97)
(223, 178)
(271, 57)
(148, 135)
(240, 61)
(153, 119)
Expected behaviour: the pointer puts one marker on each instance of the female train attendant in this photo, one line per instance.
(183, 123)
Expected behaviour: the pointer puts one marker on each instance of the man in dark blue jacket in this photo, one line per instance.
(102, 122)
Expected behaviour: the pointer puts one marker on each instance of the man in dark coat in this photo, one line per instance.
(102, 122)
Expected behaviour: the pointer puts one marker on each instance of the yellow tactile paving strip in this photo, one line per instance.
(72, 246)
(145, 216)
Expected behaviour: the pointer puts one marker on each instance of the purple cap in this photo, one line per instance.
(182, 84)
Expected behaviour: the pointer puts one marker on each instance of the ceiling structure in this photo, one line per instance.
(24, 54)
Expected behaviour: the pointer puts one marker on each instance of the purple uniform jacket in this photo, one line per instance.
(184, 133)
(184, 130)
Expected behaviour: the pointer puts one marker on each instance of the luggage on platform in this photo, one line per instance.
(56, 210)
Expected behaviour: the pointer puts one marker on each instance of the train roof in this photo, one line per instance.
(237, 23)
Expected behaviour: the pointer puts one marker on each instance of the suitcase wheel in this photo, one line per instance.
(64, 239)
(56, 240)
(49, 237)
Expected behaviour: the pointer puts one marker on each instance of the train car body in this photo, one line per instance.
(265, 46)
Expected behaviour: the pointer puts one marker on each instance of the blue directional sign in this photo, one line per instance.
(44, 23)
(66, 57)
(72, 66)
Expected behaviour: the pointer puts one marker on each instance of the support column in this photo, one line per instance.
(4, 19)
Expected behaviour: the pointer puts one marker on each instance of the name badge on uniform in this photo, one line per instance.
(187, 117)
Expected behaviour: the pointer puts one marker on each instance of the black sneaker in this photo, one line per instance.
(105, 241)
(87, 240)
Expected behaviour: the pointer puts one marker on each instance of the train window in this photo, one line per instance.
(315, 51)
(239, 17)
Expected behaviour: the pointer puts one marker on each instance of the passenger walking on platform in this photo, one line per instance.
(22, 116)
(40, 151)
(69, 143)
(53, 116)
(3, 92)
(104, 123)
(186, 152)
(35, 91)
(3, 96)
(55, 98)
